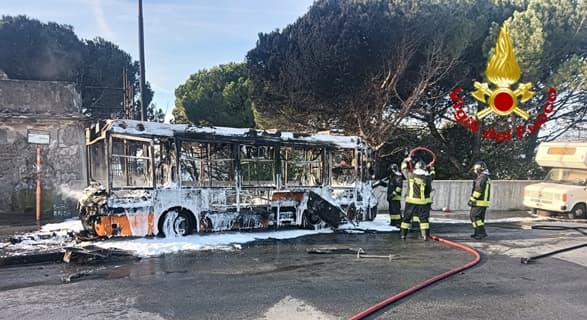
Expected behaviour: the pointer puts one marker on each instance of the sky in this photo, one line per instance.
(181, 36)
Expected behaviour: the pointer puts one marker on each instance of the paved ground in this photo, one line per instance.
(11, 224)
(274, 279)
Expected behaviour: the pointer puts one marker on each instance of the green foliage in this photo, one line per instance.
(304, 72)
(102, 79)
(31, 50)
(217, 97)
(371, 67)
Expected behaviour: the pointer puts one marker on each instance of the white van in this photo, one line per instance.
(564, 189)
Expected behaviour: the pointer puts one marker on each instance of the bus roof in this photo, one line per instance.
(156, 129)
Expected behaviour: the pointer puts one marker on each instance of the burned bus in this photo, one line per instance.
(156, 179)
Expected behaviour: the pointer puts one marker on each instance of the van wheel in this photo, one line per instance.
(177, 224)
(578, 211)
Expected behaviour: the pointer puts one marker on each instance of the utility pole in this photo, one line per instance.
(142, 61)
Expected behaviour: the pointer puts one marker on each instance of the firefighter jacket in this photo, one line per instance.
(481, 191)
(419, 185)
(394, 187)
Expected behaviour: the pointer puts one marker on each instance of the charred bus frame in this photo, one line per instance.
(160, 179)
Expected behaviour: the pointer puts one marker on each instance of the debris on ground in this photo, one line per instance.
(331, 250)
(358, 251)
(93, 254)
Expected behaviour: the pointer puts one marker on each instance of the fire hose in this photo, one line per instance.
(531, 259)
(413, 151)
(527, 260)
(376, 307)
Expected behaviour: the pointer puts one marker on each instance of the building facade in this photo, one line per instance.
(51, 108)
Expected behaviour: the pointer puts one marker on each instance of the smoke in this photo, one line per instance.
(103, 27)
(51, 67)
(65, 191)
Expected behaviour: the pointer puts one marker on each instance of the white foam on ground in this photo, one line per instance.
(147, 247)
(226, 241)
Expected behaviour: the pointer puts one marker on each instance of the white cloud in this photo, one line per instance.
(103, 27)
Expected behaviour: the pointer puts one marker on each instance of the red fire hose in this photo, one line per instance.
(431, 163)
(369, 311)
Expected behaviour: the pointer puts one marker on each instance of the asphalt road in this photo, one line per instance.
(279, 279)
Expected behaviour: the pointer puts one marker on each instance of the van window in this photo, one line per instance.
(567, 176)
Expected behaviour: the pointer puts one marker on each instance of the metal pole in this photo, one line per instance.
(38, 195)
(142, 61)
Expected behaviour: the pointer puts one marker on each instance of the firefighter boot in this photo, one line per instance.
(425, 234)
(481, 234)
(474, 235)
(403, 233)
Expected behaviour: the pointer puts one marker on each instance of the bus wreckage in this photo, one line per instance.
(156, 179)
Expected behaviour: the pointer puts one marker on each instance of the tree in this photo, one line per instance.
(102, 76)
(550, 40)
(217, 97)
(373, 67)
(31, 50)
(367, 67)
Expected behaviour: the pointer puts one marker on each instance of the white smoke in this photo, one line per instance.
(65, 191)
(103, 27)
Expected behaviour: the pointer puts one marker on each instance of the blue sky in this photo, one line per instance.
(181, 36)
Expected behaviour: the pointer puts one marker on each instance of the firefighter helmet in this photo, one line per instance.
(420, 165)
(479, 167)
(394, 168)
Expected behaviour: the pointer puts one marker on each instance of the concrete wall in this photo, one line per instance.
(52, 107)
(39, 98)
(454, 194)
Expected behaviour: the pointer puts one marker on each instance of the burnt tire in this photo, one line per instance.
(371, 213)
(177, 223)
(578, 211)
(87, 221)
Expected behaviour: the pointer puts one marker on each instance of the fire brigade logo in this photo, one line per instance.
(503, 71)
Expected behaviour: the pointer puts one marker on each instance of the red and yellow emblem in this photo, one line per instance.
(503, 71)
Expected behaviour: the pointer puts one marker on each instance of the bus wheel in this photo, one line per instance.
(177, 223)
(578, 211)
(371, 213)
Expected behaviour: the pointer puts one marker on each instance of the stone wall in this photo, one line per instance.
(26, 97)
(48, 106)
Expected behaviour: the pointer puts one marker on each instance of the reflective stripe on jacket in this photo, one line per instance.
(394, 187)
(419, 185)
(481, 191)
(417, 190)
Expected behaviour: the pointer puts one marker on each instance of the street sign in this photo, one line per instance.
(38, 137)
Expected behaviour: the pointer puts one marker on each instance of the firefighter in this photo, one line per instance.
(417, 198)
(479, 200)
(394, 195)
